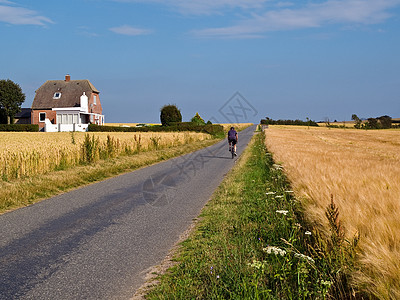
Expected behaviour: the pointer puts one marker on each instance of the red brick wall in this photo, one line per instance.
(50, 114)
(95, 108)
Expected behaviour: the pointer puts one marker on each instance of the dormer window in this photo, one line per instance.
(57, 95)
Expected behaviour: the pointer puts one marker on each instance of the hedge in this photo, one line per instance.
(184, 126)
(269, 121)
(19, 127)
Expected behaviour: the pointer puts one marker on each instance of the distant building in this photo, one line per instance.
(66, 105)
(23, 117)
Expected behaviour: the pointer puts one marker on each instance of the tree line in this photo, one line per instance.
(382, 122)
(268, 121)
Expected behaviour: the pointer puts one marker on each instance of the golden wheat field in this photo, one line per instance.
(239, 126)
(361, 169)
(29, 153)
(347, 124)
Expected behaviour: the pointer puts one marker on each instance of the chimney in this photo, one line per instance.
(67, 78)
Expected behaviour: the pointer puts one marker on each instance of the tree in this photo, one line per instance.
(197, 120)
(11, 98)
(357, 121)
(372, 123)
(385, 121)
(170, 114)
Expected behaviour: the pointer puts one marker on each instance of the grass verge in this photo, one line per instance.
(22, 192)
(252, 243)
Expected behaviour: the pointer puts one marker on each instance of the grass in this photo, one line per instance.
(25, 191)
(361, 169)
(253, 243)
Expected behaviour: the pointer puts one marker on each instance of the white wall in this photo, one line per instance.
(49, 127)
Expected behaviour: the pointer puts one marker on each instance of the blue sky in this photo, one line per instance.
(287, 59)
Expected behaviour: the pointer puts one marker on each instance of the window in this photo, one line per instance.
(42, 117)
(57, 95)
(68, 118)
(94, 99)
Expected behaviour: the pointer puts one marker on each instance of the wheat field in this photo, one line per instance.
(361, 169)
(24, 154)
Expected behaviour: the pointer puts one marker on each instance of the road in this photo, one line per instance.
(97, 242)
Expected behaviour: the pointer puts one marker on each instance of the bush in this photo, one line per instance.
(170, 114)
(188, 126)
(385, 121)
(19, 127)
(372, 123)
(179, 126)
(197, 120)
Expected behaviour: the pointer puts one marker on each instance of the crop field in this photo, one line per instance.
(23, 154)
(347, 124)
(361, 170)
(238, 127)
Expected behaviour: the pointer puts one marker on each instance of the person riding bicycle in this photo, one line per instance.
(232, 139)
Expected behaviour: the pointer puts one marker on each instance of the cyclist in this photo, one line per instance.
(232, 139)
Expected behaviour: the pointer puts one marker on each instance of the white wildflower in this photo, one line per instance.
(277, 167)
(283, 212)
(274, 250)
(256, 264)
(304, 257)
(307, 232)
(328, 283)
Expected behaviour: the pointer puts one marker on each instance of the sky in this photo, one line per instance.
(229, 60)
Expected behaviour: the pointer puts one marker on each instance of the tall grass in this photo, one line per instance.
(361, 169)
(29, 154)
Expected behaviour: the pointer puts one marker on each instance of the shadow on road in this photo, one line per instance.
(222, 157)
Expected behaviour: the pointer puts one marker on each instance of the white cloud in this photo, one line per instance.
(86, 31)
(20, 16)
(312, 15)
(284, 4)
(129, 30)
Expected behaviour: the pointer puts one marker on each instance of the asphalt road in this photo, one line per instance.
(97, 242)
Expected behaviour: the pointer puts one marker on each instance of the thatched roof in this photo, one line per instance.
(71, 91)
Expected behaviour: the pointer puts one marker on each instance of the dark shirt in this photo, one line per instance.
(232, 134)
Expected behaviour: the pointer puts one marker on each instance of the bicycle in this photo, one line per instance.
(232, 139)
(232, 150)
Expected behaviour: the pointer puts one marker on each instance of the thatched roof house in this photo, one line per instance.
(67, 102)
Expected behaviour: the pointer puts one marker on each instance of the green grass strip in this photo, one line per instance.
(252, 243)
